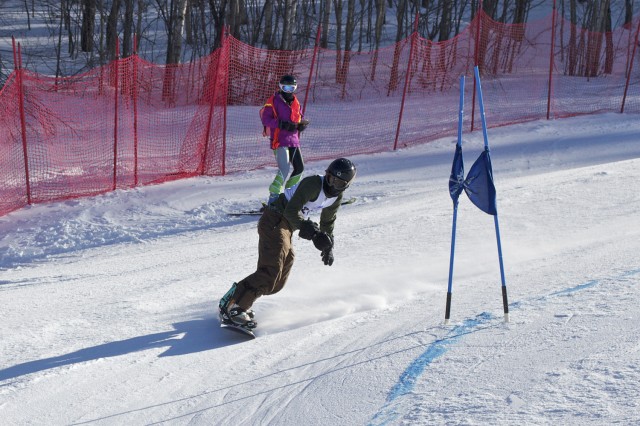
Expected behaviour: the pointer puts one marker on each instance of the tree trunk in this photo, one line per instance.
(326, 14)
(521, 11)
(127, 29)
(609, 50)
(361, 36)
(400, 12)
(380, 11)
(290, 8)
(237, 17)
(174, 49)
(59, 47)
(141, 9)
(88, 25)
(112, 30)
(573, 38)
(101, 32)
(380, 15)
(267, 36)
(445, 20)
(600, 20)
(189, 36)
(628, 13)
(490, 7)
(350, 27)
(338, 11)
(351, 24)
(218, 12)
(66, 12)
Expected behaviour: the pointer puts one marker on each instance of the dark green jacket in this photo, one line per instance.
(308, 190)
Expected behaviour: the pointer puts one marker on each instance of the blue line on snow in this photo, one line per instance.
(409, 377)
(434, 350)
(437, 348)
(576, 288)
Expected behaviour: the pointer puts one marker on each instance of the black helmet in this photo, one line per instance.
(338, 176)
(288, 84)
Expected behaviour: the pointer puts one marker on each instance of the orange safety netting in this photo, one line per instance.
(133, 123)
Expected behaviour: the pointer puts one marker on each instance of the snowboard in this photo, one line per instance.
(238, 329)
(259, 212)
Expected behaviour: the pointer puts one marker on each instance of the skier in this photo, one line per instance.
(283, 121)
(290, 212)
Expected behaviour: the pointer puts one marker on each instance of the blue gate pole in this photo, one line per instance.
(505, 303)
(447, 313)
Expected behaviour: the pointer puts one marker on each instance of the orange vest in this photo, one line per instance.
(294, 118)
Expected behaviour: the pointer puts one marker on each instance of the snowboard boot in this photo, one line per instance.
(238, 316)
(231, 313)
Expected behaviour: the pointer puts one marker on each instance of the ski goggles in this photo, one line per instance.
(288, 88)
(337, 183)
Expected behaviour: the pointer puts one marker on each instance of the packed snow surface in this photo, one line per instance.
(108, 304)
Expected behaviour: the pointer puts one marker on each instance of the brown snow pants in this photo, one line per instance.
(275, 259)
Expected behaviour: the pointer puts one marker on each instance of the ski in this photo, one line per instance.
(259, 212)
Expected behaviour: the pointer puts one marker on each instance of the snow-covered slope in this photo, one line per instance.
(108, 303)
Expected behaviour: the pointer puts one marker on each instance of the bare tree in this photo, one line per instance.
(59, 45)
(176, 29)
(363, 34)
(521, 12)
(26, 9)
(101, 32)
(66, 10)
(380, 14)
(380, 20)
(88, 25)
(599, 23)
(490, 7)
(326, 15)
(350, 27)
(141, 9)
(236, 17)
(196, 34)
(351, 24)
(127, 29)
(338, 13)
(445, 19)
(628, 13)
(112, 29)
(573, 38)
(267, 36)
(218, 10)
(400, 13)
(288, 23)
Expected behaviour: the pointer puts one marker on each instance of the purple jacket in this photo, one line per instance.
(283, 110)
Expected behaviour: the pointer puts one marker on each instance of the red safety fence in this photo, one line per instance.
(132, 123)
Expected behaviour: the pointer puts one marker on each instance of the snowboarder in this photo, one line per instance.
(290, 212)
(283, 121)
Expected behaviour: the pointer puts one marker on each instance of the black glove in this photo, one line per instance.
(303, 125)
(308, 229)
(322, 241)
(287, 125)
(327, 257)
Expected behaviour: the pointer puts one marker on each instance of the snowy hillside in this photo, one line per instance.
(108, 303)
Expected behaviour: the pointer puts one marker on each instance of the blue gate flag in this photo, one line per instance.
(480, 189)
(479, 184)
(456, 180)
